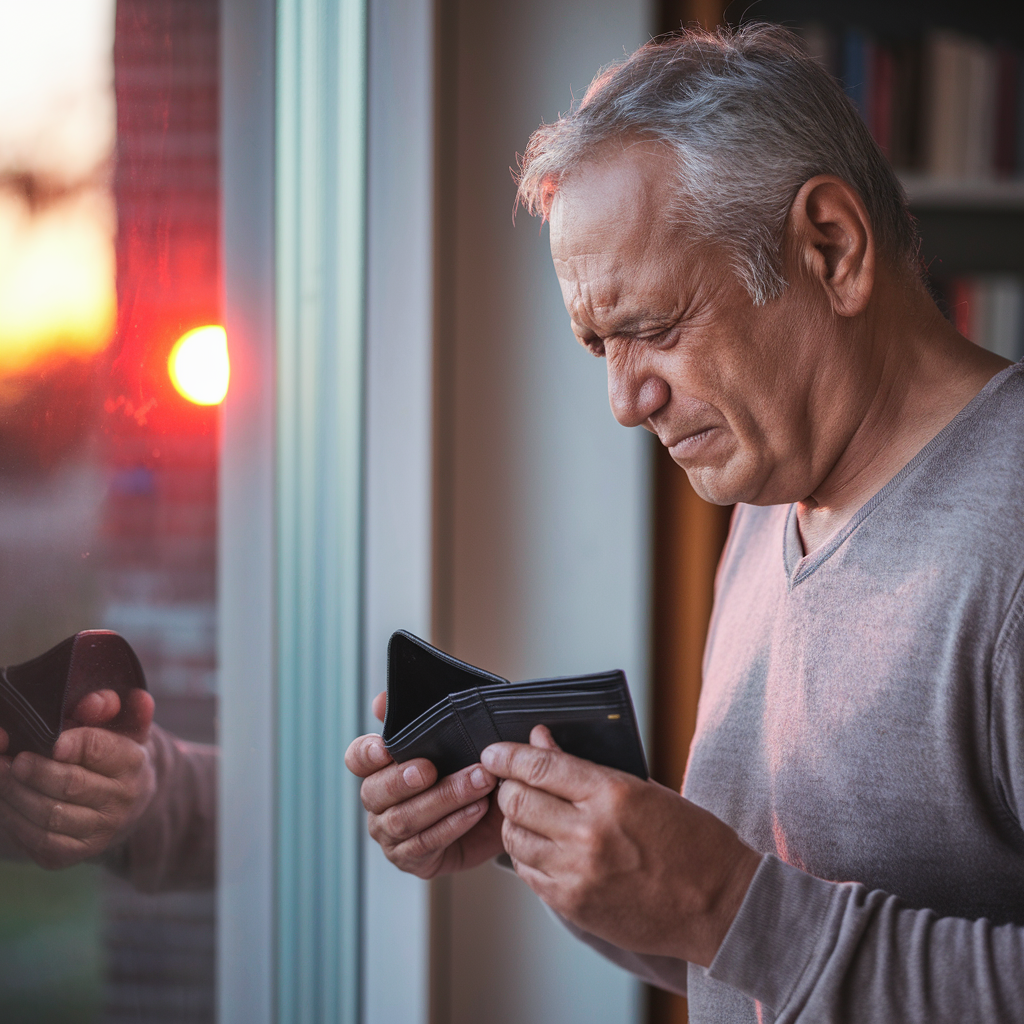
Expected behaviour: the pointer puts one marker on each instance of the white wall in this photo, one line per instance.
(398, 473)
(549, 502)
(543, 499)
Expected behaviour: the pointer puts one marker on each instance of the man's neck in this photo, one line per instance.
(928, 374)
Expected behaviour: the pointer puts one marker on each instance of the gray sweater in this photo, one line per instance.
(862, 725)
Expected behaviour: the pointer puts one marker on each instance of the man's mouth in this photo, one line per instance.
(687, 445)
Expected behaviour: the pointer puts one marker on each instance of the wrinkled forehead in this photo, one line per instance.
(614, 203)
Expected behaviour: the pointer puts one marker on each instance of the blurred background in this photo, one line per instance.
(109, 252)
(330, 180)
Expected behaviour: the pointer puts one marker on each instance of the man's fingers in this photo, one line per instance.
(403, 817)
(50, 815)
(540, 736)
(397, 783)
(131, 716)
(441, 834)
(97, 708)
(557, 773)
(380, 703)
(535, 809)
(48, 849)
(99, 750)
(69, 783)
(540, 883)
(366, 755)
(4, 740)
(526, 847)
(136, 715)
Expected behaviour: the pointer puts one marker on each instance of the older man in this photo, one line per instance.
(849, 846)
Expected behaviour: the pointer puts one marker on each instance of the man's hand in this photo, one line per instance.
(423, 828)
(89, 795)
(629, 861)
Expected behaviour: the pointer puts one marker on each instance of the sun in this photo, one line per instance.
(199, 366)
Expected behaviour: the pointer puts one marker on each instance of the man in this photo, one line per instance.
(118, 790)
(849, 844)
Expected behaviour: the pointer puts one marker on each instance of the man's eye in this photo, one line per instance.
(654, 337)
(595, 346)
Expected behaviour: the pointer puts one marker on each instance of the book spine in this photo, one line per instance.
(855, 77)
(944, 105)
(941, 106)
(978, 110)
(1019, 122)
(882, 97)
(1004, 157)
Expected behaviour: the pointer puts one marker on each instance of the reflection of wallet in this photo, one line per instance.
(38, 696)
(447, 711)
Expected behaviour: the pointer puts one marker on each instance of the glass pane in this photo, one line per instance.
(111, 368)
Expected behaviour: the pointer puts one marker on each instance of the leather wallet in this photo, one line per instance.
(447, 711)
(38, 696)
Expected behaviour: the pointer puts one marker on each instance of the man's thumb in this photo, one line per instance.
(136, 715)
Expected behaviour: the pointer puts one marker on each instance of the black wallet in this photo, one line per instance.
(37, 696)
(447, 711)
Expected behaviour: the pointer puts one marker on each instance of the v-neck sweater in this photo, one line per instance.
(861, 724)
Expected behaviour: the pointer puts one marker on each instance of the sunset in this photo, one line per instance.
(57, 293)
(57, 219)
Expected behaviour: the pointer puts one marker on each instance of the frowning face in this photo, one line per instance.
(752, 401)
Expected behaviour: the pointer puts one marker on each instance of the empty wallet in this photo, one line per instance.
(38, 696)
(447, 711)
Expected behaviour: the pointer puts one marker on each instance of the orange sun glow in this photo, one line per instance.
(199, 366)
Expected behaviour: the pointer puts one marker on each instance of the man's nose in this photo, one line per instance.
(634, 397)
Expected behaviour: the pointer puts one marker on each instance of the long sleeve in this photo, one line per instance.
(811, 950)
(173, 845)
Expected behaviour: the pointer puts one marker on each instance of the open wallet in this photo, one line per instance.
(38, 697)
(447, 711)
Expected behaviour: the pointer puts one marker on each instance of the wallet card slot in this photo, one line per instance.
(565, 709)
(583, 701)
(475, 719)
(424, 723)
(427, 723)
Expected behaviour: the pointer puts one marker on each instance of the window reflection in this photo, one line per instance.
(109, 209)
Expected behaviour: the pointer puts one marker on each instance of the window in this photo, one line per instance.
(109, 254)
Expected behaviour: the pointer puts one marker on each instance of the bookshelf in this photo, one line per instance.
(971, 222)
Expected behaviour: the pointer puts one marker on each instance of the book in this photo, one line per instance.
(1007, 98)
(944, 105)
(988, 309)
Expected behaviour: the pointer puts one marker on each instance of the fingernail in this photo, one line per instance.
(476, 808)
(413, 777)
(489, 758)
(477, 777)
(377, 753)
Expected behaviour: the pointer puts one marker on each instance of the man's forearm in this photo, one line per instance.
(173, 845)
(812, 950)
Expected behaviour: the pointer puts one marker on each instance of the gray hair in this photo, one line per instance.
(751, 117)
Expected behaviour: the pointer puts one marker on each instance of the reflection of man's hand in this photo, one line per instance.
(629, 861)
(89, 795)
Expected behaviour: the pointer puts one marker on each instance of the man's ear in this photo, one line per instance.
(832, 240)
